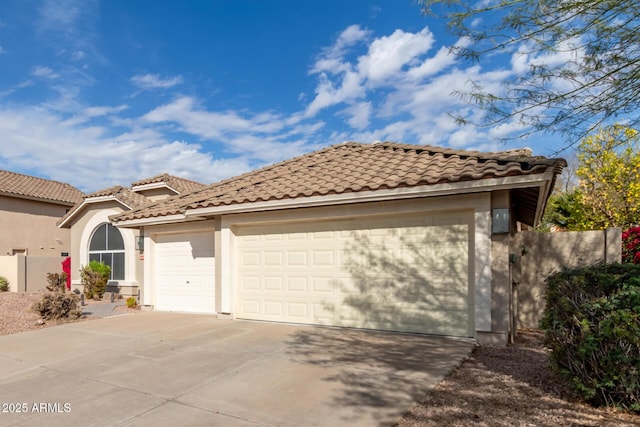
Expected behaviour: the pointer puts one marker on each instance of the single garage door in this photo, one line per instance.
(185, 275)
(403, 273)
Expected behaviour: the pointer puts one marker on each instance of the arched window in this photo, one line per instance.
(107, 246)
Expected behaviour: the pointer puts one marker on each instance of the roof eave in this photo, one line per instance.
(444, 189)
(37, 199)
(157, 220)
(543, 196)
(89, 201)
(153, 186)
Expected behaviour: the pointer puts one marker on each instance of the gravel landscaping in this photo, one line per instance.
(494, 387)
(509, 387)
(16, 314)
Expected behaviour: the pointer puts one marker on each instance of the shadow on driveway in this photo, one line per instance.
(378, 371)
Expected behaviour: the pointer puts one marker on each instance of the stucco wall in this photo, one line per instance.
(82, 228)
(27, 273)
(85, 222)
(31, 225)
(540, 254)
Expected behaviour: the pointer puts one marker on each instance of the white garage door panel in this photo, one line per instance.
(185, 275)
(402, 273)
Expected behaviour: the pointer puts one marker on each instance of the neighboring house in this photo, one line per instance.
(382, 236)
(93, 237)
(29, 210)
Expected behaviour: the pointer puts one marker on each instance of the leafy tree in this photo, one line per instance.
(609, 174)
(564, 212)
(608, 189)
(581, 57)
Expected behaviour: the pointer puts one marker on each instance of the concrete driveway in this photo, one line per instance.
(157, 369)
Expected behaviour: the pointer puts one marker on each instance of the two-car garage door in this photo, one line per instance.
(404, 273)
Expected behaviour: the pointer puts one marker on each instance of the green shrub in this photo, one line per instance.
(592, 325)
(4, 284)
(57, 282)
(94, 279)
(132, 302)
(58, 305)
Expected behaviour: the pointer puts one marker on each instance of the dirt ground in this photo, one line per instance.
(494, 387)
(509, 387)
(16, 314)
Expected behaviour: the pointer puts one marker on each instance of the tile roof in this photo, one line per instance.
(353, 167)
(25, 186)
(129, 197)
(179, 184)
(124, 195)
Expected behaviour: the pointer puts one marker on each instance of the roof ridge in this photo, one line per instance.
(513, 152)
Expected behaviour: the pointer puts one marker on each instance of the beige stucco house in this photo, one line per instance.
(29, 210)
(93, 237)
(382, 236)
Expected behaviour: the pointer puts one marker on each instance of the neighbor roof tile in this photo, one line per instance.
(19, 185)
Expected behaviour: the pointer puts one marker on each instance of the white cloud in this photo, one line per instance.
(341, 81)
(262, 137)
(394, 87)
(330, 59)
(44, 72)
(59, 15)
(329, 93)
(359, 115)
(69, 25)
(78, 55)
(387, 55)
(432, 66)
(195, 120)
(154, 81)
(89, 157)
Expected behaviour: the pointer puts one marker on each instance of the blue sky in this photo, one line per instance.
(102, 93)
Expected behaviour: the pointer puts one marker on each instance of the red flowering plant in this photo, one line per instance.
(66, 267)
(631, 245)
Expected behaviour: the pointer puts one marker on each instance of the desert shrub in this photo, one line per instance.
(631, 245)
(94, 279)
(57, 282)
(592, 325)
(132, 302)
(4, 284)
(58, 305)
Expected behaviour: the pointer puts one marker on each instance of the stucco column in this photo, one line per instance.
(226, 266)
(500, 278)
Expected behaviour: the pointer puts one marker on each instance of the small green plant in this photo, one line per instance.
(57, 282)
(132, 302)
(58, 305)
(4, 284)
(592, 326)
(94, 279)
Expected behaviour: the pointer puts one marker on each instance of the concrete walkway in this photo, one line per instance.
(169, 369)
(103, 309)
